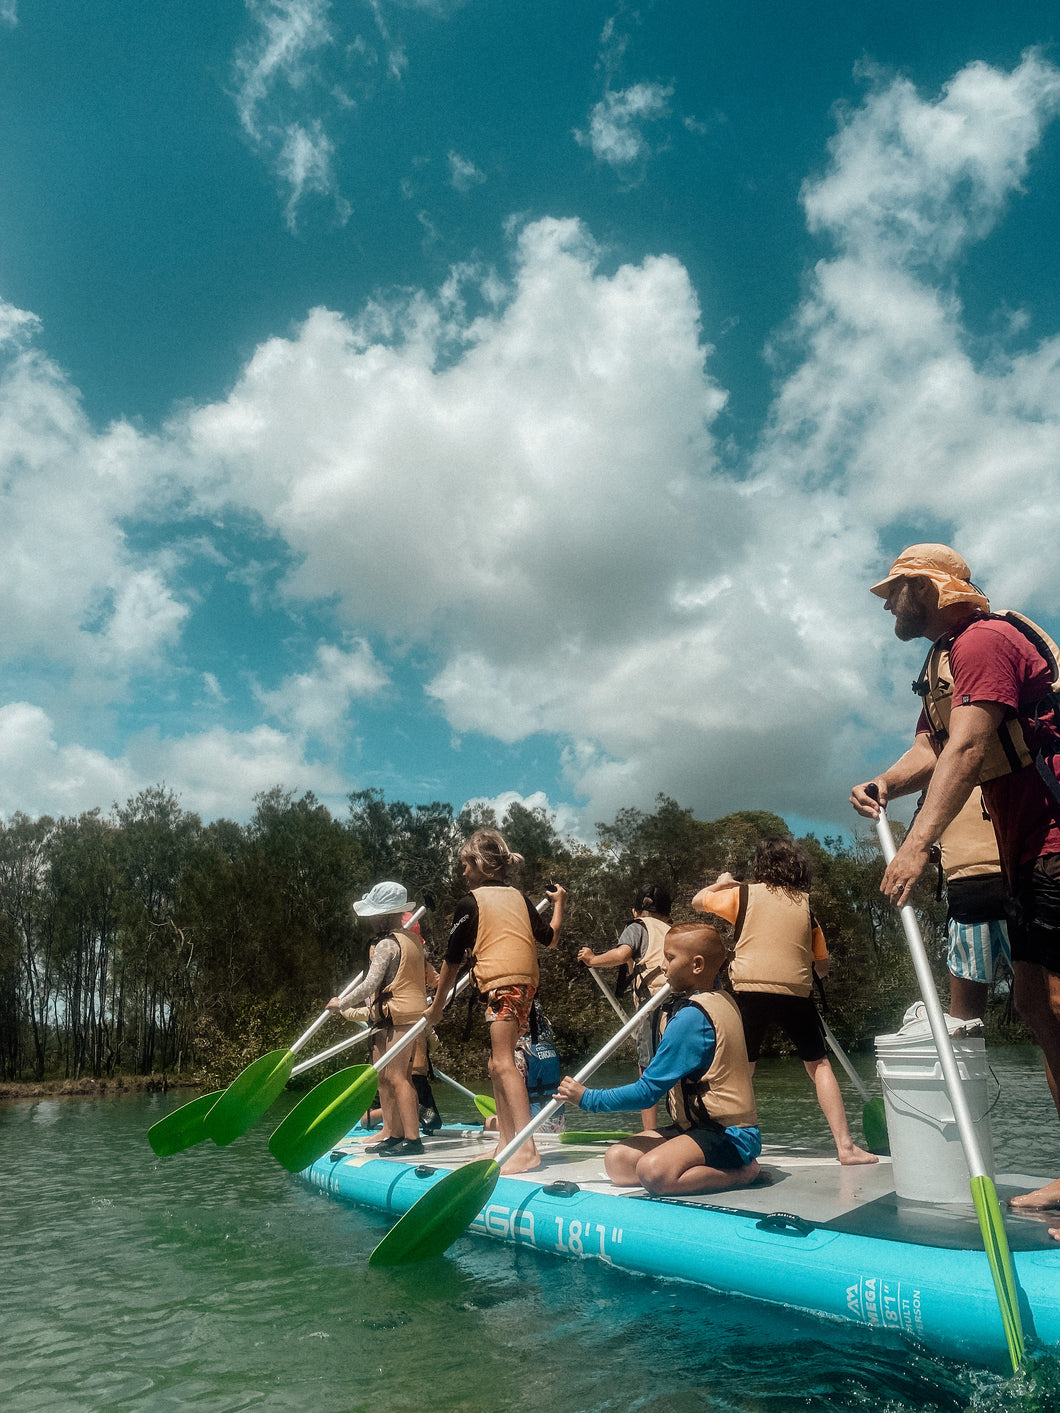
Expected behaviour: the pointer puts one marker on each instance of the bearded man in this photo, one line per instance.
(988, 720)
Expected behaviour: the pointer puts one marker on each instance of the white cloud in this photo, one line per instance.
(304, 162)
(281, 89)
(463, 174)
(914, 180)
(581, 563)
(684, 631)
(69, 584)
(315, 703)
(214, 772)
(615, 123)
(38, 776)
(218, 771)
(566, 821)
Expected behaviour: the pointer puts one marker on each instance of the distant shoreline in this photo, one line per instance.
(89, 1088)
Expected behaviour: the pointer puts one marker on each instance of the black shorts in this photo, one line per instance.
(796, 1016)
(1034, 928)
(717, 1147)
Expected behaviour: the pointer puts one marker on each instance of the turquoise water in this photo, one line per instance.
(215, 1281)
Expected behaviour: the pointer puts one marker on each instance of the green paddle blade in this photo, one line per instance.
(874, 1126)
(432, 1224)
(992, 1225)
(591, 1136)
(326, 1114)
(486, 1106)
(183, 1128)
(248, 1096)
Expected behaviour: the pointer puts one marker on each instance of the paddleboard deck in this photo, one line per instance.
(821, 1238)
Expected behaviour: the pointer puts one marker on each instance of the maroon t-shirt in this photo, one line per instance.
(991, 661)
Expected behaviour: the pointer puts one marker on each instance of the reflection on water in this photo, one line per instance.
(214, 1280)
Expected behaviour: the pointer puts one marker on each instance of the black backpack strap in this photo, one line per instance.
(741, 914)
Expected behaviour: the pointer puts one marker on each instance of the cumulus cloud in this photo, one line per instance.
(572, 421)
(315, 703)
(70, 585)
(913, 180)
(616, 123)
(566, 821)
(682, 629)
(587, 568)
(214, 772)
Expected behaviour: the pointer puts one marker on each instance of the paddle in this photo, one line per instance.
(874, 1112)
(325, 1115)
(330, 1110)
(365, 1033)
(432, 1224)
(183, 1127)
(484, 1103)
(984, 1194)
(611, 997)
(258, 1087)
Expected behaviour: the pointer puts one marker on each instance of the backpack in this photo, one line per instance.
(1010, 735)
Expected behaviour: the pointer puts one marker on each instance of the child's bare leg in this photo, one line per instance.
(386, 1109)
(676, 1167)
(831, 1102)
(621, 1159)
(513, 1102)
(397, 1093)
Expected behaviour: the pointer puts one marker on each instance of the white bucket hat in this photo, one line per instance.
(383, 898)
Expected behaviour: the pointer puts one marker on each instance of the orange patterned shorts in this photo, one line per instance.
(510, 1003)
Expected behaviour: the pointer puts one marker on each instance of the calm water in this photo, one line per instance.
(215, 1281)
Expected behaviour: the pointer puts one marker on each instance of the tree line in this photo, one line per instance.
(147, 942)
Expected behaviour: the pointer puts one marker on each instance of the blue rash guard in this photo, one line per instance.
(686, 1048)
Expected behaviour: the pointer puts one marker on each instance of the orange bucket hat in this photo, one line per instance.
(944, 567)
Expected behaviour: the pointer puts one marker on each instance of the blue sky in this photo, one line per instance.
(491, 400)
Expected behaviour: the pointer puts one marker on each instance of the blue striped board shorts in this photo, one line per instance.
(975, 948)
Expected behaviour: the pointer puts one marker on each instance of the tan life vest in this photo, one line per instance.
(404, 1000)
(774, 942)
(505, 952)
(1008, 750)
(649, 971)
(968, 843)
(723, 1092)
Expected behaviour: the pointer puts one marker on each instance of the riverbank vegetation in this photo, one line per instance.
(145, 942)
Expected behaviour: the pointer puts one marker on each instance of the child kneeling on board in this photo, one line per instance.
(701, 1066)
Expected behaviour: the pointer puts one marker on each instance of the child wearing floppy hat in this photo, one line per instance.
(396, 985)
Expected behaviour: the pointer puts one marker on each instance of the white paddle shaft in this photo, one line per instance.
(554, 1105)
(838, 1051)
(611, 997)
(365, 1033)
(943, 1043)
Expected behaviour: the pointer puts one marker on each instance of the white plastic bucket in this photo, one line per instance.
(926, 1155)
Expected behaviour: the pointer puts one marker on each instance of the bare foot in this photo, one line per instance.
(524, 1160)
(752, 1175)
(1054, 1232)
(1041, 1197)
(853, 1156)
